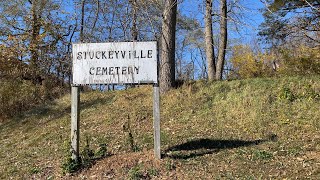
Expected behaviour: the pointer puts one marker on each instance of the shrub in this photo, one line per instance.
(300, 61)
(16, 96)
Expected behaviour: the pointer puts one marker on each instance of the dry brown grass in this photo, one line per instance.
(246, 129)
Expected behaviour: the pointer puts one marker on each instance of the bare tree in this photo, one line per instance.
(167, 65)
(209, 41)
(83, 2)
(134, 31)
(223, 39)
(35, 32)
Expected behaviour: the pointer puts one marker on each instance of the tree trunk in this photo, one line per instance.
(83, 2)
(209, 41)
(223, 39)
(82, 21)
(34, 49)
(134, 31)
(167, 65)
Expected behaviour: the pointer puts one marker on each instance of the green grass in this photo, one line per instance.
(210, 130)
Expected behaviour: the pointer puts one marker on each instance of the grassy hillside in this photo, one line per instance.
(248, 129)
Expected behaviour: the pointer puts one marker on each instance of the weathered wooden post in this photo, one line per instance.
(75, 122)
(156, 120)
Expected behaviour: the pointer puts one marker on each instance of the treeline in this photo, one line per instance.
(290, 36)
(250, 63)
(36, 38)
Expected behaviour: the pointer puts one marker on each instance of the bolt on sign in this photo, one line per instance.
(115, 63)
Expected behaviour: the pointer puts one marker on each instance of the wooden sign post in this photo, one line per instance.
(118, 63)
(75, 122)
(156, 120)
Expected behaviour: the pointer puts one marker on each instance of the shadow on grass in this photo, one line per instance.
(47, 112)
(43, 111)
(201, 147)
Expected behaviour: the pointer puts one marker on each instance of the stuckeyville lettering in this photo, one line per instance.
(124, 70)
(141, 54)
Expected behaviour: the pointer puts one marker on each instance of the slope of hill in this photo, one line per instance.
(254, 128)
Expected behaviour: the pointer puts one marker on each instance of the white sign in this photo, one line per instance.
(115, 63)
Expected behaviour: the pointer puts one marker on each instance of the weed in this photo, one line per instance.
(69, 165)
(240, 153)
(170, 165)
(153, 172)
(309, 93)
(130, 140)
(165, 139)
(34, 170)
(87, 154)
(147, 140)
(86, 159)
(136, 173)
(102, 151)
(294, 151)
(287, 94)
(261, 155)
